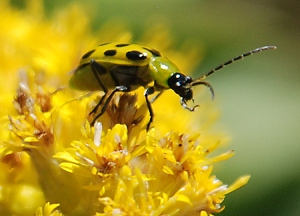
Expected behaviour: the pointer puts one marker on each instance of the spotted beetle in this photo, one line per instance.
(117, 67)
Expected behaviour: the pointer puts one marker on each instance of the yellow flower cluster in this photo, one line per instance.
(54, 163)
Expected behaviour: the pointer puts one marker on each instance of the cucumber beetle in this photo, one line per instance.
(115, 67)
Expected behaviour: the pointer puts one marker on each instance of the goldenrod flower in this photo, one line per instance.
(54, 163)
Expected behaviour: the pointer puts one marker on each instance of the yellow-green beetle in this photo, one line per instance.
(120, 67)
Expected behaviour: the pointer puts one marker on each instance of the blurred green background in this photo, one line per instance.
(259, 98)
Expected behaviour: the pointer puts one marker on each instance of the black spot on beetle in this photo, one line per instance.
(122, 45)
(135, 55)
(110, 52)
(88, 54)
(154, 52)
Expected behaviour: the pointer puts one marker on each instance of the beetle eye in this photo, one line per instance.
(188, 79)
(179, 83)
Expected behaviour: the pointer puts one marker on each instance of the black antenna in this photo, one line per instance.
(236, 59)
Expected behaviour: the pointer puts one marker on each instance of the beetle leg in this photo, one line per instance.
(156, 96)
(107, 101)
(98, 104)
(185, 106)
(149, 91)
(96, 71)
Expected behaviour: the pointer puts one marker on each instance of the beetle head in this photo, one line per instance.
(182, 85)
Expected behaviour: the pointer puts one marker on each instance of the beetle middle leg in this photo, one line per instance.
(98, 104)
(107, 101)
(97, 70)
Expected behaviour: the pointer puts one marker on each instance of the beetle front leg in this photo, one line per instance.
(148, 92)
(156, 96)
(185, 106)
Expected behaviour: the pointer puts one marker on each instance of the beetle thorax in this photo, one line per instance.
(161, 69)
